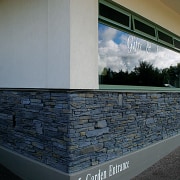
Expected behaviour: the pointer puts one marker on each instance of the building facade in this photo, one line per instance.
(57, 119)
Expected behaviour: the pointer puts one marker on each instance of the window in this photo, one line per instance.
(177, 43)
(135, 52)
(112, 14)
(165, 38)
(125, 59)
(141, 26)
(121, 18)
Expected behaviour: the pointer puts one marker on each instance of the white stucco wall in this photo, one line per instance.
(58, 67)
(48, 44)
(23, 43)
(84, 44)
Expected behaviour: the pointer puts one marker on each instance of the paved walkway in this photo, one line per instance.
(167, 168)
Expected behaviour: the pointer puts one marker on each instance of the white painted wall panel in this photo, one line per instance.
(58, 44)
(23, 43)
(49, 44)
(84, 44)
(34, 44)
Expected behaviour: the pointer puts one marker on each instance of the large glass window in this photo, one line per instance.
(125, 59)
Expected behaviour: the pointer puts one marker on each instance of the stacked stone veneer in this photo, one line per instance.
(73, 130)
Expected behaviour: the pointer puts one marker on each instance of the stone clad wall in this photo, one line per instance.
(74, 130)
(35, 124)
(106, 125)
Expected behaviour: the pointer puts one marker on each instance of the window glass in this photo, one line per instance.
(125, 59)
(164, 37)
(144, 28)
(177, 43)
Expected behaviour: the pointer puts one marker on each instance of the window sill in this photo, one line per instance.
(126, 88)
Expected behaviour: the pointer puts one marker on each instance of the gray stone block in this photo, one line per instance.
(97, 132)
(101, 124)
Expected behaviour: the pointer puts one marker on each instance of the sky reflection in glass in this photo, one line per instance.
(122, 51)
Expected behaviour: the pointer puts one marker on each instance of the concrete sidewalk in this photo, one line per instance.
(167, 168)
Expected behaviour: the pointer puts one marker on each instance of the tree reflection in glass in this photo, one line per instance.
(125, 59)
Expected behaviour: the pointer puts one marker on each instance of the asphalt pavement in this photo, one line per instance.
(168, 168)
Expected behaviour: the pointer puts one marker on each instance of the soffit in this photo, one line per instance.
(173, 4)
